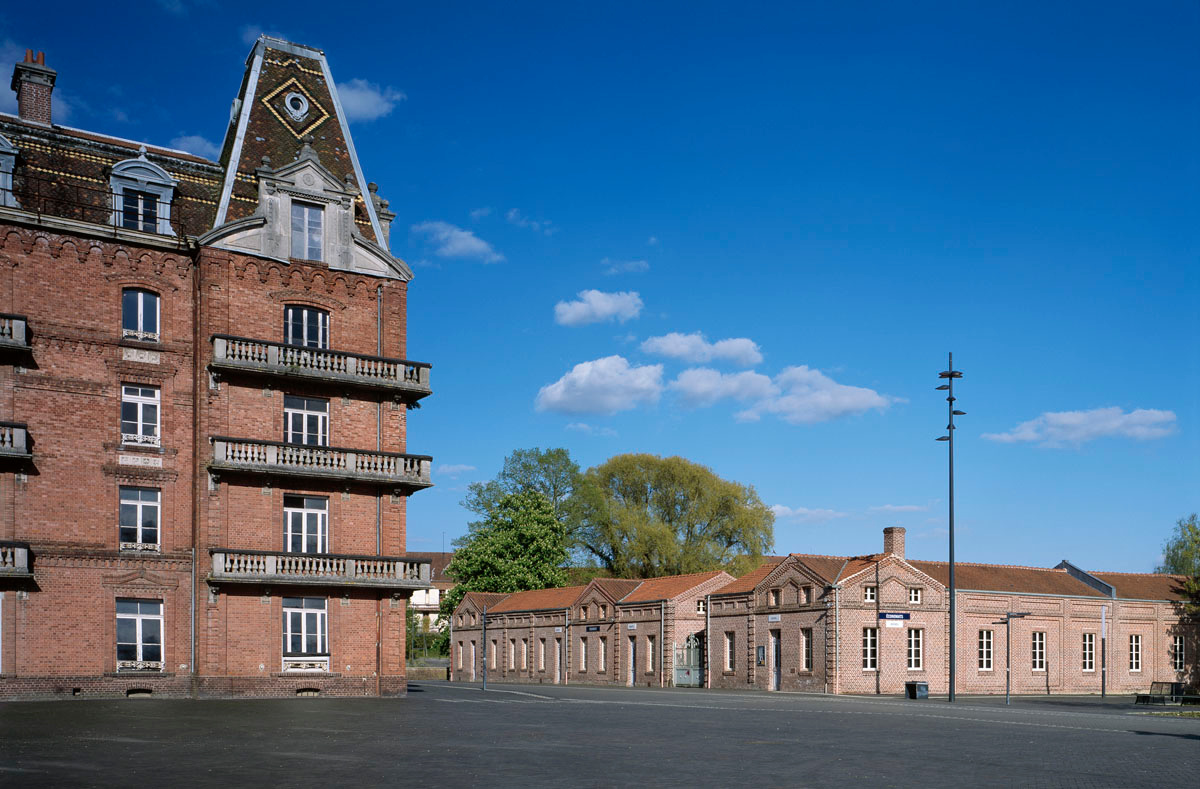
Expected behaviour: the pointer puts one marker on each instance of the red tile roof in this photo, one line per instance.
(1007, 578)
(481, 599)
(1144, 586)
(668, 587)
(539, 600)
(751, 579)
(616, 588)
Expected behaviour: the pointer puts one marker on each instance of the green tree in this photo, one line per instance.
(550, 472)
(644, 516)
(519, 545)
(1181, 556)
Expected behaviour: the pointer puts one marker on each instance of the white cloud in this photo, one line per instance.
(480, 213)
(250, 34)
(808, 396)
(1056, 428)
(624, 266)
(591, 430)
(514, 217)
(804, 514)
(701, 386)
(694, 348)
(366, 101)
(194, 143)
(454, 242)
(594, 306)
(899, 508)
(652, 241)
(602, 386)
(453, 469)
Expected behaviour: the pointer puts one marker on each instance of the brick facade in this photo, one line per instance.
(216, 462)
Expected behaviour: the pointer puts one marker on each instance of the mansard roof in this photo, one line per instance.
(288, 95)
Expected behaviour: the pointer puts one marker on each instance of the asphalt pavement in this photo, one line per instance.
(551, 736)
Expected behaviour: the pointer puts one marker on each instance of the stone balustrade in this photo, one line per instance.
(14, 560)
(390, 469)
(323, 569)
(14, 440)
(408, 380)
(14, 332)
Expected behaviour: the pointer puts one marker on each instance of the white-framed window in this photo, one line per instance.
(914, 596)
(870, 648)
(583, 650)
(305, 524)
(139, 415)
(141, 195)
(583, 613)
(1038, 651)
(1135, 652)
(307, 235)
(305, 625)
(307, 327)
(730, 657)
(773, 598)
(140, 314)
(139, 635)
(651, 652)
(1177, 653)
(460, 655)
(700, 606)
(985, 650)
(306, 420)
(915, 652)
(8, 157)
(139, 518)
(603, 611)
(602, 664)
(806, 649)
(806, 594)
(512, 653)
(1089, 652)
(541, 656)
(868, 594)
(524, 654)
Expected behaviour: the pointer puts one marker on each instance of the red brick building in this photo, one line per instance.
(612, 631)
(203, 404)
(843, 624)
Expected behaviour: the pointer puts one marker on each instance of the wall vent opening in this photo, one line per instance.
(138, 693)
(308, 691)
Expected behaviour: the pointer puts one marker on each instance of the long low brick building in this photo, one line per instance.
(844, 624)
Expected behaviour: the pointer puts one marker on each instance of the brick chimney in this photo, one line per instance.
(893, 541)
(34, 83)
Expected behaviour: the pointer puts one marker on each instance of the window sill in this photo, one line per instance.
(305, 674)
(134, 342)
(150, 449)
(145, 674)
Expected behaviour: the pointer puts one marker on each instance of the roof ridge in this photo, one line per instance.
(1147, 575)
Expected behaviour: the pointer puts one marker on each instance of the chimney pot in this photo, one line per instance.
(33, 83)
(893, 541)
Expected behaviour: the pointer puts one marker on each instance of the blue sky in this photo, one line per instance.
(748, 234)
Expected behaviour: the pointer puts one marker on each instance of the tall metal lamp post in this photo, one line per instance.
(950, 374)
(1007, 622)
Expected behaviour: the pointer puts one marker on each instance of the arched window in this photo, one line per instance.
(304, 326)
(139, 315)
(142, 193)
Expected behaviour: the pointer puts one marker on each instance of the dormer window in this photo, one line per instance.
(141, 195)
(307, 327)
(307, 236)
(8, 159)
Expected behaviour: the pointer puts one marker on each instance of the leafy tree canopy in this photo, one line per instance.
(644, 516)
(550, 472)
(1181, 556)
(519, 545)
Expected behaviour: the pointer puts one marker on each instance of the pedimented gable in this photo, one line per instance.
(790, 577)
(893, 577)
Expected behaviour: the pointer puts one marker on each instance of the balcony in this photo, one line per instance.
(14, 560)
(405, 473)
(14, 332)
(318, 569)
(406, 380)
(14, 441)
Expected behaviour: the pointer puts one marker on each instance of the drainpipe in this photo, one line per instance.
(485, 648)
(379, 421)
(708, 641)
(450, 673)
(662, 642)
(837, 637)
(379, 646)
(565, 657)
(192, 664)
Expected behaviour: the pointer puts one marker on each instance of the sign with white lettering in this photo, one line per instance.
(773, 617)
(593, 628)
(139, 460)
(558, 630)
(893, 623)
(894, 616)
(631, 626)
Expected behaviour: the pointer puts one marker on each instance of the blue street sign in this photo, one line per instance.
(893, 616)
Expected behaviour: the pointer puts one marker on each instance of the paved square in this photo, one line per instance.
(459, 735)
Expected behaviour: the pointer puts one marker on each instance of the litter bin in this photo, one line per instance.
(916, 690)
